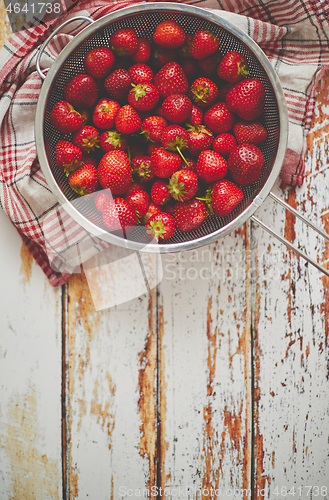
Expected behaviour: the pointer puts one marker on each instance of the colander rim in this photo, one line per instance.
(209, 16)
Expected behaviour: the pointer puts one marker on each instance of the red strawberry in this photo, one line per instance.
(211, 166)
(124, 42)
(233, 67)
(165, 163)
(89, 160)
(105, 112)
(81, 91)
(246, 163)
(153, 127)
(171, 79)
(200, 138)
(114, 172)
(205, 43)
(161, 56)
(102, 199)
(68, 156)
(177, 108)
(223, 144)
(99, 61)
(209, 64)
(139, 200)
(175, 138)
(86, 138)
(143, 97)
(196, 117)
(169, 34)
(140, 73)
(65, 118)
(183, 185)
(190, 215)
(219, 118)
(204, 92)
(250, 132)
(247, 99)
(152, 210)
(142, 168)
(127, 120)
(120, 215)
(118, 84)
(160, 194)
(160, 226)
(143, 51)
(84, 180)
(225, 196)
(112, 140)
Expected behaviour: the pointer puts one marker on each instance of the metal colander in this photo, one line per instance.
(144, 19)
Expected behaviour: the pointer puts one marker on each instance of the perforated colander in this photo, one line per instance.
(144, 19)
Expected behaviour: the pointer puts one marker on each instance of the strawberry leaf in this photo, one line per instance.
(157, 229)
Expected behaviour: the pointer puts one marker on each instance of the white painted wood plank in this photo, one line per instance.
(291, 341)
(205, 370)
(30, 375)
(112, 393)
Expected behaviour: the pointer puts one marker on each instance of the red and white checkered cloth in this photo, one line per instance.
(293, 33)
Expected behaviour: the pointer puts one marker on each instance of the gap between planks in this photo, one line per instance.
(65, 397)
(161, 448)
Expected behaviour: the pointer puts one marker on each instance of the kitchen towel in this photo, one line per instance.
(294, 34)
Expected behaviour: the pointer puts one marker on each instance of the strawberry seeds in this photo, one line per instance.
(163, 132)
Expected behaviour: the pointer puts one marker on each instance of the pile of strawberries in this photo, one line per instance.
(161, 132)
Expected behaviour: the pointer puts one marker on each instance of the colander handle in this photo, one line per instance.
(51, 36)
(286, 242)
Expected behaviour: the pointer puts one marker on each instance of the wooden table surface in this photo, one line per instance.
(217, 379)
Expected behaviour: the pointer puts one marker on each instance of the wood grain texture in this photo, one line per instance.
(112, 393)
(205, 370)
(217, 380)
(291, 382)
(30, 368)
(5, 29)
(30, 374)
(16, 16)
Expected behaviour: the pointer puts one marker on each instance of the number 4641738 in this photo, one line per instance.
(34, 8)
(305, 491)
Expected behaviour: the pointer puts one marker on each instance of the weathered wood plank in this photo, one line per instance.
(30, 375)
(5, 29)
(30, 368)
(112, 374)
(205, 370)
(291, 336)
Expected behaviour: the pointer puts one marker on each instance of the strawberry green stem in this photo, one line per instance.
(208, 201)
(182, 156)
